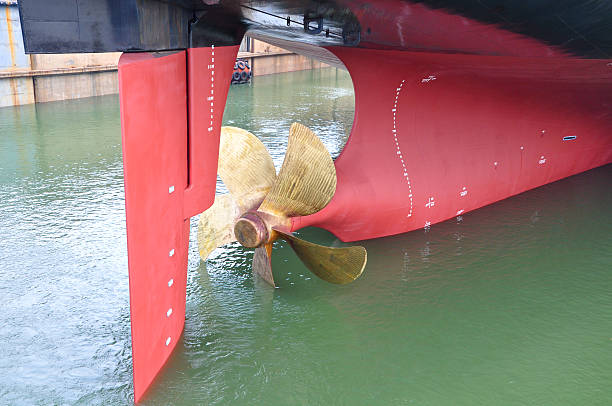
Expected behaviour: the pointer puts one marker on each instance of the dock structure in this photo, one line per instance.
(26, 79)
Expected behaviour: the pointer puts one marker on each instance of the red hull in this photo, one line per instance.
(438, 135)
(434, 136)
(471, 102)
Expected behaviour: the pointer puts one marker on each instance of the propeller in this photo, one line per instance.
(259, 207)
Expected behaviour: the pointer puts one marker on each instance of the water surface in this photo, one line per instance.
(507, 305)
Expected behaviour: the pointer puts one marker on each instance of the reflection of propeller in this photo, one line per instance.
(260, 205)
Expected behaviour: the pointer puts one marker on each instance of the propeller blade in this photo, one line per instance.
(306, 184)
(262, 263)
(245, 167)
(307, 179)
(216, 225)
(334, 265)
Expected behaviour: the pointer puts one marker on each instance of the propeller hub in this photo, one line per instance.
(251, 231)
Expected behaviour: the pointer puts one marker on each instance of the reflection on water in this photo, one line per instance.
(65, 316)
(507, 305)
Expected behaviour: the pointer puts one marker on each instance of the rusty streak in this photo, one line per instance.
(9, 28)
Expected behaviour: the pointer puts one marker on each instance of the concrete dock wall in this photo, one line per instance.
(267, 59)
(26, 79)
(72, 76)
(14, 90)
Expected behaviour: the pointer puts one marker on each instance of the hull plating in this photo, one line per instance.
(438, 135)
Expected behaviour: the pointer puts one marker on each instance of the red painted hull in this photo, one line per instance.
(435, 135)
(458, 104)
(169, 112)
(438, 135)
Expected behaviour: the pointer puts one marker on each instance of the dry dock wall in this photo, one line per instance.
(72, 76)
(14, 90)
(26, 79)
(266, 59)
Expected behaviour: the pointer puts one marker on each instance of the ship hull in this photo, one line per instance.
(458, 104)
(438, 135)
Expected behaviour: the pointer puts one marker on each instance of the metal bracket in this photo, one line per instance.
(313, 31)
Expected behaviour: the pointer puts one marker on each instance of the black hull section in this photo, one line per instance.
(581, 29)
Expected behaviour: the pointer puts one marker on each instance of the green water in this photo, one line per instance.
(507, 305)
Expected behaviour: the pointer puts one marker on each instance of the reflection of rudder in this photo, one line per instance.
(163, 122)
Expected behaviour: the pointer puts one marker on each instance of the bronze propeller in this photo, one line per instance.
(259, 207)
